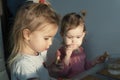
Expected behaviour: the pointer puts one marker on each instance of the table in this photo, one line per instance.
(104, 72)
(90, 77)
(99, 72)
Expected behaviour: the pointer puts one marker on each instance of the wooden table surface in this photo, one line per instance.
(90, 77)
(99, 72)
(107, 74)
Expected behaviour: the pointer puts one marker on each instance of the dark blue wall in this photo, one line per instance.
(102, 22)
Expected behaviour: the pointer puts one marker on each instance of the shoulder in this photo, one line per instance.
(23, 68)
(23, 63)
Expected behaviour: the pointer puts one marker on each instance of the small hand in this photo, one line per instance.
(102, 58)
(69, 49)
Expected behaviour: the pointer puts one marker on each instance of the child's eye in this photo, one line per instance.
(69, 37)
(78, 36)
(46, 38)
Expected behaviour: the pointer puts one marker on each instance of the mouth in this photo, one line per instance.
(46, 49)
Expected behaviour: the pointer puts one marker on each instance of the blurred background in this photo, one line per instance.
(102, 23)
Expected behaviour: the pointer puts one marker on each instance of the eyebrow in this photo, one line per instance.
(48, 36)
(75, 35)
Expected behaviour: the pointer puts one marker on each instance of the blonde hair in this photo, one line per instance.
(30, 16)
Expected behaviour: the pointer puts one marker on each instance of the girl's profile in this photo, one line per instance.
(34, 29)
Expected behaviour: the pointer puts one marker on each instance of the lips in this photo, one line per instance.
(46, 49)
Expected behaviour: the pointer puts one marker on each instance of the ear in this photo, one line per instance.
(26, 34)
(83, 34)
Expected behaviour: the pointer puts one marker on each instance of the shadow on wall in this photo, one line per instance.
(3, 73)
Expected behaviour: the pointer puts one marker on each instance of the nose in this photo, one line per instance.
(73, 40)
(50, 42)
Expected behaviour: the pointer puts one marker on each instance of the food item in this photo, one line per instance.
(58, 58)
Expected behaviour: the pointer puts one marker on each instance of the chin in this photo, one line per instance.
(76, 48)
(41, 50)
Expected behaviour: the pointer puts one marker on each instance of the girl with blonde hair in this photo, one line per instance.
(35, 26)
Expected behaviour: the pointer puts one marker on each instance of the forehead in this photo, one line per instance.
(76, 31)
(48, 29)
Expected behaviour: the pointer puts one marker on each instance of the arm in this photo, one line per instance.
(89, 64)
(101, 59)
(59, 68)
(69, 49)
(56, 66)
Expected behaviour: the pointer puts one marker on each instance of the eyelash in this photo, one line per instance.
(72, 37)
(78, 37)
(46, 38)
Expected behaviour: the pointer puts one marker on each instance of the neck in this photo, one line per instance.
(27, 50)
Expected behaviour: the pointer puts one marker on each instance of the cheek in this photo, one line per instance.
(68, 41)
(41, 46)
(38, 44)
(80, 42)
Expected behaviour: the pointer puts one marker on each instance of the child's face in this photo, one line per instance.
(74, 37)
(40, 40)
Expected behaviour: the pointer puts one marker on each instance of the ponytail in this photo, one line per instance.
(83, 14)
